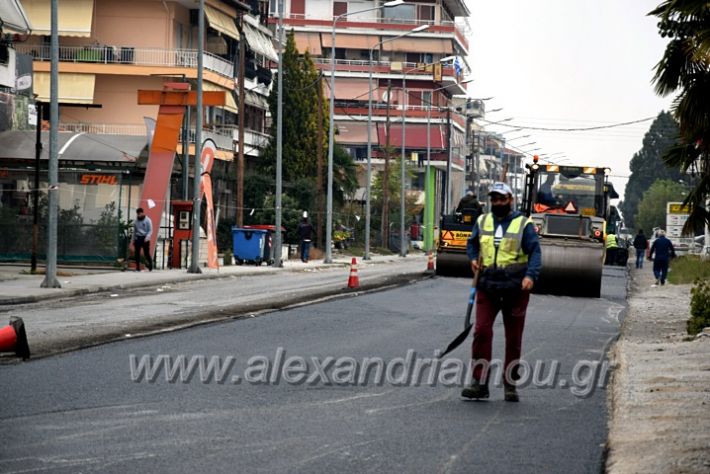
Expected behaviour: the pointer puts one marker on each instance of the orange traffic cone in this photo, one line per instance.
(353, 281)
(14, 339)
(430, 262)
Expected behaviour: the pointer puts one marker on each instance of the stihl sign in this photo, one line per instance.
(98, 179)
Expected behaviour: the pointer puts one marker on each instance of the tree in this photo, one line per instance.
(652, 208)
(392, 194)
(685, 69)
(647, 165)
(300, 122)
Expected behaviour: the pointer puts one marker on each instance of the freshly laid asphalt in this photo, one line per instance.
(80, 411)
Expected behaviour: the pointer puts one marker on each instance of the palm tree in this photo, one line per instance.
(685, 69)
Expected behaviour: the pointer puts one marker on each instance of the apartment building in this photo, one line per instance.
(420, 86)
(108, 50)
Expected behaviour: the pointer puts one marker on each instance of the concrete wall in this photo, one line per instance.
(118, 97)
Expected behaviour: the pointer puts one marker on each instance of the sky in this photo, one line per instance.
(569, 64)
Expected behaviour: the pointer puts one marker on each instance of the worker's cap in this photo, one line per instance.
(305, 214)
(500, 188)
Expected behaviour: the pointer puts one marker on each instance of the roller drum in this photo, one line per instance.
(570, 268)
(454, 264)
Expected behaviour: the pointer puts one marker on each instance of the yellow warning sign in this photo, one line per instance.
(678, 208)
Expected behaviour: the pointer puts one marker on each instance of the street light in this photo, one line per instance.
(402, 201)
(369, 134)
(331, 129)
(429, 224)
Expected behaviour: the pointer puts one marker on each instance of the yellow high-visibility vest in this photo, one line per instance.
(510, 248)
(611, 241)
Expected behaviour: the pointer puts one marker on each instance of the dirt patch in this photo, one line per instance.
(660, 397)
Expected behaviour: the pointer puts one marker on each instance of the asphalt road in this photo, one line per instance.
(81, 412)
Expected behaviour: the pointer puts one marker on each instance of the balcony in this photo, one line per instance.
(459, 29)
(175, 58)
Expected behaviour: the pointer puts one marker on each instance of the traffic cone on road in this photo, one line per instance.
(430, 263)
(14, 339)
(353, 281)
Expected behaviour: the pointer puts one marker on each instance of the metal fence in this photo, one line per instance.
(91, 243)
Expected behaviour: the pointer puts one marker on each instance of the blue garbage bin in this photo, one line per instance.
(248, 245)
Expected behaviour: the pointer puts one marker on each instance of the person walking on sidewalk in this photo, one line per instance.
(664, 251)
(509, 250)
(640, 244)
(305, 234)
(142, 231)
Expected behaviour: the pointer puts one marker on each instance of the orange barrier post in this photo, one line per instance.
(430, 262)
(353, 280)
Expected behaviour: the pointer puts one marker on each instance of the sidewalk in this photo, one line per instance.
(660, 397)
(17, 286)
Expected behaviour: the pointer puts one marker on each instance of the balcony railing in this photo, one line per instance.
(460, 27)
(136, 56)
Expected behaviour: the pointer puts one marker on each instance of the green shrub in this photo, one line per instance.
(699, 307)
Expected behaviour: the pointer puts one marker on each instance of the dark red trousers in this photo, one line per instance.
(513, 305)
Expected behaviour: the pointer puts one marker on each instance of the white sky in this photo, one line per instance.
(569, 63)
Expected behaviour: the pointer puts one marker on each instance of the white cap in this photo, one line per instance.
(500, 188)
(305, 214)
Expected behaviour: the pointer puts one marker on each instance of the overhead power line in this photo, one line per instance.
(578, 129)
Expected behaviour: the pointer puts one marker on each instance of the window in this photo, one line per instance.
(425, 14)
(426, 97)
(401, 13)
(340, 8)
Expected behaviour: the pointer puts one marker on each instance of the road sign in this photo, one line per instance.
(676, 216)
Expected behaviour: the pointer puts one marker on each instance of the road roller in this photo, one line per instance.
(454, 231)
(569, 206)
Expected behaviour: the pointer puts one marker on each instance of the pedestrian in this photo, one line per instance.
(612, 247)
(305, 234)
(664, 251)
(142, 231)
(470, 202)
(510, 260)
(640, 244)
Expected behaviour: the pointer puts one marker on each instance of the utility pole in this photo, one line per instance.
(241, 124)
(447, 197)
(35, 191)
(319, 164)
(197, 198)
(50, 277)
(278, 240)
(185, 155)
(385, 176)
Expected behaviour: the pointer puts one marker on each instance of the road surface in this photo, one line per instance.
(82, 412)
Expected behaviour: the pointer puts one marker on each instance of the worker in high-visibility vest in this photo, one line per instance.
(612, 247)
(510, 260)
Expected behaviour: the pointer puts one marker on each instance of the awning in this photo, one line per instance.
(422, 45)
(74, 17)
(352, 89)
(14, 18)
(230, 104)
(308, 42)
(259, 42)
(252, 98)
(20, 145)
(73, 88)
(354, 133)
(221, 22)
(351, 41)
(415, 136)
